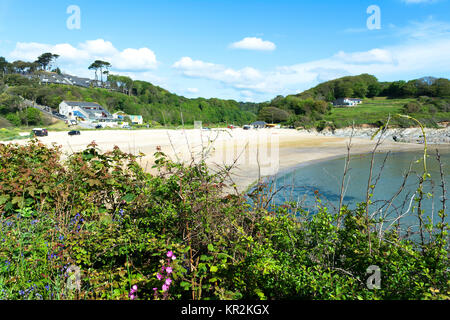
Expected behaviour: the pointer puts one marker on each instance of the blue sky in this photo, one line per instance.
(246, 50)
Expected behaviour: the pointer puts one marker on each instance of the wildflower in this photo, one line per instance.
(159, 276)
(165, 288)
(169, 254)
(134, 288)
(168, 281)
(132, 297)
(169, 270)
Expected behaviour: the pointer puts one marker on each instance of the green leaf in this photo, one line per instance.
(129, 197)
(213, 269)
(185, 285)
(210, 247)
(4, 198)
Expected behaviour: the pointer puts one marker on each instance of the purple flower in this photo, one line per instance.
(165, 288)
(170, 254)
(169, 270)
(132, 297)
(159, 276)
(168, 281)
(134, 288)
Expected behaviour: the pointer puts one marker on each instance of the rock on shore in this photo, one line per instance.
(409, 135)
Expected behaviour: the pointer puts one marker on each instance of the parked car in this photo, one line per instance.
(74, 133)
(99, 126)
(38, 132)
(246, 127)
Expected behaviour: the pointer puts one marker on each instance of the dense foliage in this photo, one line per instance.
(177, 234)
(427, 99)
(155, 104)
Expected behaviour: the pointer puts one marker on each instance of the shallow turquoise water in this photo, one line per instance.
(301, 183)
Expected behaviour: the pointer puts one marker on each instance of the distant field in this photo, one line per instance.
(376, 110)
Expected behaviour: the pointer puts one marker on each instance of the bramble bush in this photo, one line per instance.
(177, 234)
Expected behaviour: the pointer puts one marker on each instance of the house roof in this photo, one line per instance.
(256, 123)
(82, 104)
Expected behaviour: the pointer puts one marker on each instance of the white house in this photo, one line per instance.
(85, 111)
(136, 119)
(351, 102)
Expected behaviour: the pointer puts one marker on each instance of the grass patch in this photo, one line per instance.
(374, 110)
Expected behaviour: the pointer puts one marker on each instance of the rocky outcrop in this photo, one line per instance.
(409, 135)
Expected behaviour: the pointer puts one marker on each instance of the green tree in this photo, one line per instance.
(33, 116)
(45, 60)
(373, 90)
(273, 115)
(4, 66)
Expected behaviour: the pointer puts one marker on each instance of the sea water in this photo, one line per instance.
(303, 184)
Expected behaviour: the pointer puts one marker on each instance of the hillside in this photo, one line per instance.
(427, 99)
(153, 103)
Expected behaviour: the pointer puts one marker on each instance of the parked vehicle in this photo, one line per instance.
(38, 132)
(99, 126)
(74, 133)
(246, 127)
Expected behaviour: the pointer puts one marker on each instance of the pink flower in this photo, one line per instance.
(159, 276)
(173, 257)
(169, 270)
(132, 297)
(155, 289)
(168, 281)
(134, 288)
(169, 254)
(165, 288)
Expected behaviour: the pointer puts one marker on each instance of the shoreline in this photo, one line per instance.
(281, 149)
(287, 170)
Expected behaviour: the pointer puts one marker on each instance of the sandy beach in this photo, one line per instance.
(254, 153)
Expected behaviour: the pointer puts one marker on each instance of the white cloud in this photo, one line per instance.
(135, 59)
(200, 69)
(99, 47)
(129, 59)
(192, 90)
(423, 50)
(253, 43)
(371, 56)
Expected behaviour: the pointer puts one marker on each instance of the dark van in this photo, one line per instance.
(39, 132)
